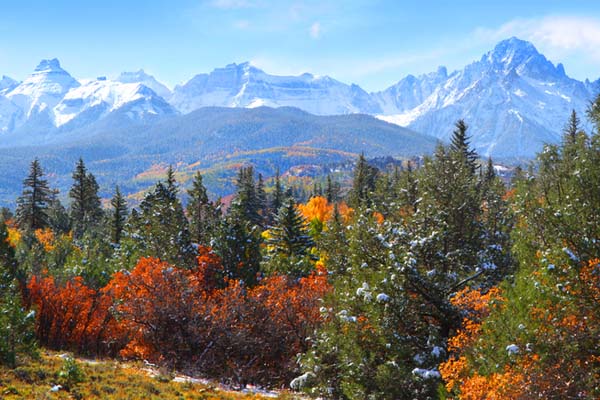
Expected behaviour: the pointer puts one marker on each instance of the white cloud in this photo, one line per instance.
(556, 36)
(315, 30)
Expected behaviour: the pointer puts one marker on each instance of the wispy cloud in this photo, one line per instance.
(556, 36)
(315, 30)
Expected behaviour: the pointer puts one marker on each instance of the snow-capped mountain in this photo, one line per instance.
(147, 80)
(7, 84)
(243, 85)
(513, 99)
(97, 98)
(43, 89)
(50, 99)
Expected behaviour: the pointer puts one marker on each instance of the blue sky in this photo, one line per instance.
(373, 43)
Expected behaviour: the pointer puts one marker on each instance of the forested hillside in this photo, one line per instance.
(429, 281)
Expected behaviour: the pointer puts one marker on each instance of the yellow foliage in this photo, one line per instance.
(46, 238)
(316, 208)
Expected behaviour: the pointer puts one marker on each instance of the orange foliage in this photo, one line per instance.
(346, 212)
(46, 238)
(186, 318)
(74, 316)
(316, 208)
(378, 217)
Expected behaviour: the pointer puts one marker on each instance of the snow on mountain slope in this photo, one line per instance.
(513, 99)
(7, 84)
(97, 98)
(147, 80)
(244, 85)
(43, 89)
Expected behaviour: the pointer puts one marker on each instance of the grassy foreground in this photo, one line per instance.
(37, 379)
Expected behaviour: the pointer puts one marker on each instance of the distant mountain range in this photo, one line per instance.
(513, 99)
(214, 140)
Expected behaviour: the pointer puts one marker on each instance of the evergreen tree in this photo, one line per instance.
(118, 216)
(171, 182)
(161, 228)
(58, 217)
(238, 245)
(331, 192)
(86, 210)
(16, 325)
(289, 235)
(363, 184)
(203, 214)
(289, 243)
(459, 143)
(573, 126)
(32, 205)
(246, 200)
(261, 196)
(278, 194)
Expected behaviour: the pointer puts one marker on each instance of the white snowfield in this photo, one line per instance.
(513, 98)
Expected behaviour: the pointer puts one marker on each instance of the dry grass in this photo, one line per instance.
(34, 379)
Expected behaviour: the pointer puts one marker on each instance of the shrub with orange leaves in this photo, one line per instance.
(46, 238)
(74, 317)
(190, 319)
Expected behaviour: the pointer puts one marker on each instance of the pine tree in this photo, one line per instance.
(238, 245)
(289, 243)
(363, 184)
(171, 181)
(459, 143)
(203, 214)
(161, 228)
(58, 217)
(261, 196)
(32, 206)
(289, 235)
(278, 194)
(573, 127)
(246, 200)
(86, 209)
(118, 216)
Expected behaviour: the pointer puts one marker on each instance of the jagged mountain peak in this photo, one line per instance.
(142, 77)
(47, 66)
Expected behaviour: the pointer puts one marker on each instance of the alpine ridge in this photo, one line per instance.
(513, 99)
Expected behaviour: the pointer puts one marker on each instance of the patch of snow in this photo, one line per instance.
(426, 373)
(512, 349)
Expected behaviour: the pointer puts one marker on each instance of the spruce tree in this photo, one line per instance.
(261, 196)
(459, 143)
(289, 243)
(363, 183)
(289, 235)
(32, 205)
(118, 216)
(238, 245)
(58, 217)
(278, 194)
(161, 228)
(573, 127)
(246, 199)
(203, 214)
(86, 209)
